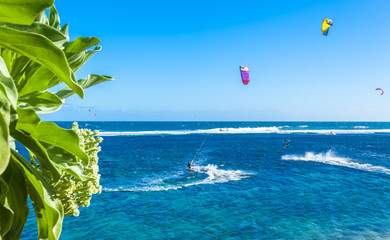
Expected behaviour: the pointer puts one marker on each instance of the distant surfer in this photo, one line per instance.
(189, 165)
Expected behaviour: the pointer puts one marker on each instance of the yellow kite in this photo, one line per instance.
(325, 26)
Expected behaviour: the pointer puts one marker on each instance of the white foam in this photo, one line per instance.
(330, 158)
(247, 130)
(361, 127)
(214, 175)
(199, 131)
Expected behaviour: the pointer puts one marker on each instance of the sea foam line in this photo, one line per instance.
(247, 130)
(330, 158)
(214, 175)
(361, 127)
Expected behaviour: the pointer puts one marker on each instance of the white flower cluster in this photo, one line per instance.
(73, 191)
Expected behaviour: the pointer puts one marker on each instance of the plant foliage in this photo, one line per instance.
(61, 173)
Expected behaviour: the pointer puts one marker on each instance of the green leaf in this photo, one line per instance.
(4, 145)
(37, 81)
(8, 96)
(54, 34)
(28, 120)
(92, 79)
(81, 44)
(24, 131)
(48, 209)
(18, 68)
(22, 11)
(45, 102)
(77, 60)
(41, 50)
(8, 57)
(15, 199)
(68, 140)
(65, 29)
(77, 54)
(54, 19)
(6, 213)
(66, 162)
(7, 86)
(33, 145)
(42, 18)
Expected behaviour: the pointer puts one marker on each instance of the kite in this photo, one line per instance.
(326, 25)
(245, 74)
(380, 89)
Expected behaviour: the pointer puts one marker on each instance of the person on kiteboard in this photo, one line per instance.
(189, 165)
(286, 142)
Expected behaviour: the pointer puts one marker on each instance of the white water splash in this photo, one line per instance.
(213, 175)
(216, 175)
(330, 158)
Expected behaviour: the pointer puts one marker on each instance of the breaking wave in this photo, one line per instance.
(209, 174)
(248, 130)
(330, 158)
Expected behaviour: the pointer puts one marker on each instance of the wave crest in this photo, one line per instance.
(248, 130)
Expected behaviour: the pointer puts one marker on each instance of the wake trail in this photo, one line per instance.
(212, 174)
(330, 158)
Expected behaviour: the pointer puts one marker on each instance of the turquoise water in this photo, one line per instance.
(331, 182)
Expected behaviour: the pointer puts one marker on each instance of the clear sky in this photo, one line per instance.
(174, 59)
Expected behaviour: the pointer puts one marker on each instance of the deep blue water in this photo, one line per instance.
(331, 182)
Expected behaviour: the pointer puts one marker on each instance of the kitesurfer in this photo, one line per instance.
(189, 165)
(286, 142)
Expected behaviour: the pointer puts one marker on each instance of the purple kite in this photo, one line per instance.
(245, 74)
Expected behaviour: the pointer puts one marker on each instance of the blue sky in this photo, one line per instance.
(174, 59)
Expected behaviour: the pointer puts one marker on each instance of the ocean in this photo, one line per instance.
(332, 181)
